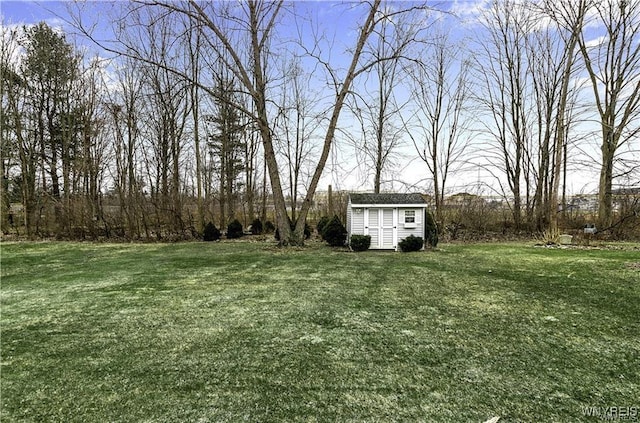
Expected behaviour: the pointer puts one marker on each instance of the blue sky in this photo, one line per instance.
(29, 12)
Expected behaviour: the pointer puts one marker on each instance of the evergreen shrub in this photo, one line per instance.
(430, 230)
(269, 227)
(411, 243)
(234, 229)
(256, 227)
(360, 242)
(321, 224)
(211, 233)
(334, 232)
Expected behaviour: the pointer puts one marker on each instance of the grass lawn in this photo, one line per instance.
(200, 332)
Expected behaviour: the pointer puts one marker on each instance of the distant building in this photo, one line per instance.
(583, 203)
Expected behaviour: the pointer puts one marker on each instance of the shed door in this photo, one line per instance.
(374, 227)
(381, 226)
(387, 229)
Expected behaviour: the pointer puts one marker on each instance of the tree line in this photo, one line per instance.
(214, 111)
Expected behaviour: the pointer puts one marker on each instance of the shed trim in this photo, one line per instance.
(390, 205)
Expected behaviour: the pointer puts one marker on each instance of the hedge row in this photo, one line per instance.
(331, 230)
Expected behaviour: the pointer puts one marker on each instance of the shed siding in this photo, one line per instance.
(357, 221)
(417, 231)
(349, 230)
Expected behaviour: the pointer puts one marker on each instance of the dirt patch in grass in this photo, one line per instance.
(635, 265)
(607, 247)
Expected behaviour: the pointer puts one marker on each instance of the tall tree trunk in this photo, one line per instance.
(605, 199)
(365, 31)
(222, 195)
(561, 124)
(194, 49)
(283, 222)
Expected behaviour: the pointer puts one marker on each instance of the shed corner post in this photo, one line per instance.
(396, 222)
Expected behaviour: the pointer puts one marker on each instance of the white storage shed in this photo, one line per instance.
(387, 218)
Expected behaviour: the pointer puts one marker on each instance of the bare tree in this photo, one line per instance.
(240, 36)
(503, 75)
(124, 107)
(551, 52)
(360, 63)
(90, 159)
(257, 20)
(252, 166)
(544, 61)
(441, 93)
(613, 67)
(194, 45)
(377, 106)
(296, 125)
(17, 148)
(167, 115)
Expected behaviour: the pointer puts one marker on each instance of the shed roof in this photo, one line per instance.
(386, 198)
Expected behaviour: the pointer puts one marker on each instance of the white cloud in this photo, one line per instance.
(596, 42)
(469, 11)
(56, 24)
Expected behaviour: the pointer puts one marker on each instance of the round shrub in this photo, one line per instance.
(269, 227)
(411, 243)
(334, 232)
(211, 233)
(256, 227)
(321, 224)
(234, 229)
(360, 242)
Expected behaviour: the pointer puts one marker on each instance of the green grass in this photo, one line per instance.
(215, 332)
